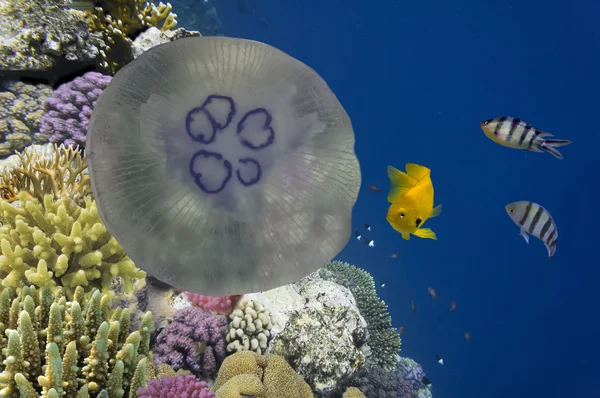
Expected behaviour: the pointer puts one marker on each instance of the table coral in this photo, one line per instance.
(194, 341)
(59, 243)
(384, 340)
(68, 349)
(69, 108)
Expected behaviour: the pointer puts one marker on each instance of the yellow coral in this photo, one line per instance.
(60, 244)
(59, 172)
(268, 376)
(353, 392)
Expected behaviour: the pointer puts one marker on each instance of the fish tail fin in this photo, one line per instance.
(550, 146)
(436, 211)
(417, 171)
(400, 183)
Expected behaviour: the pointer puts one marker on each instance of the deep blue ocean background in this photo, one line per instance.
(417, 78)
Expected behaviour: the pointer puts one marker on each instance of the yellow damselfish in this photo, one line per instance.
(411, 198)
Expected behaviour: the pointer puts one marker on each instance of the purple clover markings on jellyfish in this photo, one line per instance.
(253, 134)
(249, 167)
(216, 113)
(210, 171)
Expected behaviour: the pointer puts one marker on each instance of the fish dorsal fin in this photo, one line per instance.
(541, 133)
(417, 171)
(400, 183)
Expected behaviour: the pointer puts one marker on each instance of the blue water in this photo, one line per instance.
(417, 78)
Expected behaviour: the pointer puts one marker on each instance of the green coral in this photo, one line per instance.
(86, 353)
(384, 340)
(250, 327)
(59, 243)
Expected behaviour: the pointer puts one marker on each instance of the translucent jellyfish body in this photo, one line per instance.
(223, 166)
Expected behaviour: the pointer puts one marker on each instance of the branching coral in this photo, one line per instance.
(250, 327)
(60, 244)
(384, 340)
(57, 170)
(185, 386)
(69, 349)
(121, 21)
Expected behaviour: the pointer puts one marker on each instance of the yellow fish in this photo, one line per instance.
(411, 198)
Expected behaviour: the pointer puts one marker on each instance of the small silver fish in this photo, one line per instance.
(535, 220)
(518, 134)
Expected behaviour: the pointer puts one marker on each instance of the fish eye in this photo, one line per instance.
(486, 123)
(511, 211)
(402, 215)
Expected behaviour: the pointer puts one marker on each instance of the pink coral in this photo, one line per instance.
(186, 386)
(219, 304)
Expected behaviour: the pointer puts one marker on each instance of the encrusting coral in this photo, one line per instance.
(268, 376)
(70, 349)
(54, 235)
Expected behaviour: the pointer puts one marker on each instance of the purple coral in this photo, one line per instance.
(69, 108)
(194, 341)
(186, 386)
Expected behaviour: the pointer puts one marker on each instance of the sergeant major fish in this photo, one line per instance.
(518, 134)
(535, 220)
(411, 198)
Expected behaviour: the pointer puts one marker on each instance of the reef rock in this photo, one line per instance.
(323, 340)
(44, 39)
(153, 37)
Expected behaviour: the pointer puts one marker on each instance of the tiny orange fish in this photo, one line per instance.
(401, 328)
(394, 255)
(373, 188)
(432, 293)
(452, 306)
(468, 337)
(413, 305)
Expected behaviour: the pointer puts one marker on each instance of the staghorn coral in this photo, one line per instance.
(59, 243)
(384, 341)
(56, 170)
(194, 341)
(268, 376)
(20, 114)
(69, 108)
(121, 21)
(250, 327)
(69, 349)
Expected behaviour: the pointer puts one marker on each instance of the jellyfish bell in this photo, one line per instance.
(223, 166)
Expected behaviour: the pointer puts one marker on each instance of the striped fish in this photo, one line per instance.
(518, 134)
(535, 220)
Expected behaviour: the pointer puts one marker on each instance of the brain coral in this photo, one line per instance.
(239, 172)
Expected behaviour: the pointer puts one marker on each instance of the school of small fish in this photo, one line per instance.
(411, 197)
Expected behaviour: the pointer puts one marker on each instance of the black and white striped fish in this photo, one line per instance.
(535, 220)
(518, 134)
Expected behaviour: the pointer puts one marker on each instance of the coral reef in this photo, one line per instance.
(249, 328)
(20, 115)
(59, 243)
(219, 304)
(44, 39)
(353, 392)
(185, 386)
(268, 376)
(383, 340)
(86, 352)
(68, 109)
(324, 341)
(154, 36)
(194, 341)
(377, 382)
(413, 373)
(42, 170)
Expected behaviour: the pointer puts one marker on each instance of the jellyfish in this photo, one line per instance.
(223, 166)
